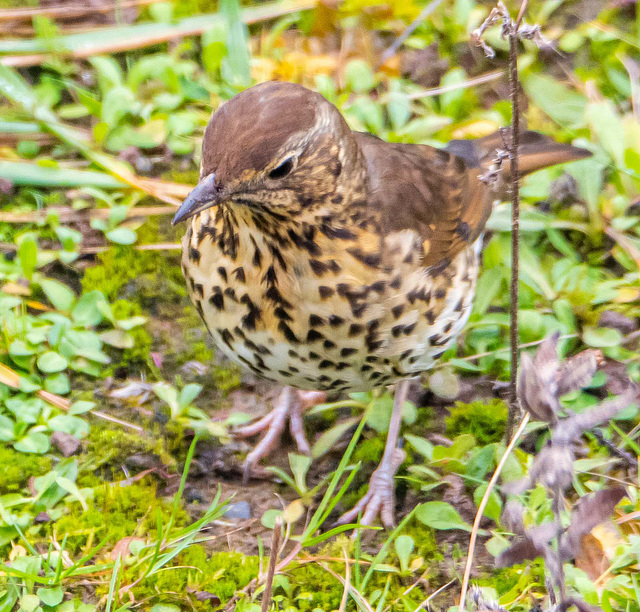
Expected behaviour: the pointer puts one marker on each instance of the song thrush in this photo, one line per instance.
(328, 259)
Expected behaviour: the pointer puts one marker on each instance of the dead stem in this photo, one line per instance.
(481, 508)
(273, 560)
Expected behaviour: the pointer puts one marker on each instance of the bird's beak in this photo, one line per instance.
(205, 195)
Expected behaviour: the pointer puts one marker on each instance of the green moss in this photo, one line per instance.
(150, 278)
(16, 468)
(424, 538)
(106, 446)
(222, 573)
(116, 512)
(485, 421)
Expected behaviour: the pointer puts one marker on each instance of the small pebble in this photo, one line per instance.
(239, 511)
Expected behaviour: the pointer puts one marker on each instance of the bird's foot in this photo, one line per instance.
(289, 406)
(380, 498)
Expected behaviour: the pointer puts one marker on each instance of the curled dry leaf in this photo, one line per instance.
(537, 398)
(582, 606)
(534, 542)
(577, 371)
(591, 510)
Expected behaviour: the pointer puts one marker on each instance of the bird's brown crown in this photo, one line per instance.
(278, 145)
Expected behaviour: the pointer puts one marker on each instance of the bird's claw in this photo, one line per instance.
(290, 406)
(380, 498)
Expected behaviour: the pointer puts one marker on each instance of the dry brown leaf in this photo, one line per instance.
(121, 548)
(591, 559)
(577, 371)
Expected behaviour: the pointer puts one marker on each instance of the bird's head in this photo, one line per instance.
(276, 147)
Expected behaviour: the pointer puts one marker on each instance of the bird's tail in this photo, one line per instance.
(535, 151)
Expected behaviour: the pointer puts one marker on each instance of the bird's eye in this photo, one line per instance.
(282, 170)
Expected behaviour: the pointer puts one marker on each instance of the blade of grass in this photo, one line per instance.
(327, 499)
(69, 11)
(32, 52)
(113, 584)
(34, 175)
(66, 214)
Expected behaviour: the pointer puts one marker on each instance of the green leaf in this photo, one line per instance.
(58, 294)
(28, 254)
(328, 439)
(601, 337)
(7, 429)
(29, 603)
(404, 546)
(32, 175)
(118, 338)
(72, 425)
(565, 106)
(25, 409)
(81, 406)
(424, 447)
(269, 518)
(237, 63)
(51, 362)
(188, 394)
(18, 348)
(607, 125)
(300, 465)
(167, 394)
(58, 383)
(440, 515)
(33, 442)
(122, 235)
(52, 596)
(87, 311)
(494, 504)
(70, 487)
(109, 72)
(131, 322)
(359, 76)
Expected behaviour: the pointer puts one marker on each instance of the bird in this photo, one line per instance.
(329, 260)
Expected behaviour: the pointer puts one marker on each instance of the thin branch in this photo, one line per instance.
(515, 215)
(424, 13)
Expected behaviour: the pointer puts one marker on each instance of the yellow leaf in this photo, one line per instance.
(293, 511)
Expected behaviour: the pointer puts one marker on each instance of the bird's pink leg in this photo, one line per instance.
(380, 498)
(289, 405)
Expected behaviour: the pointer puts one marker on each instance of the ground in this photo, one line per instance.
(120, 480)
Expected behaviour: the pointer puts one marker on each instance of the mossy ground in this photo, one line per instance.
(486, 421)
(17, 468)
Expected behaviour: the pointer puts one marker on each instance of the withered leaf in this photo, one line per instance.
(534, 543)
(591, 558)
(212, 598)
(553, 467)
(537, 396)
(582, 606)
(589, 511)
(577, 371)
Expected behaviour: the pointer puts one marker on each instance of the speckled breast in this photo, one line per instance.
(320, 314)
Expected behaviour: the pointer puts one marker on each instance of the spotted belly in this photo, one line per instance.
(321, 326)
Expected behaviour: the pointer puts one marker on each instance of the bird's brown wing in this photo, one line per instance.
(438, 192)
(429, 191)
